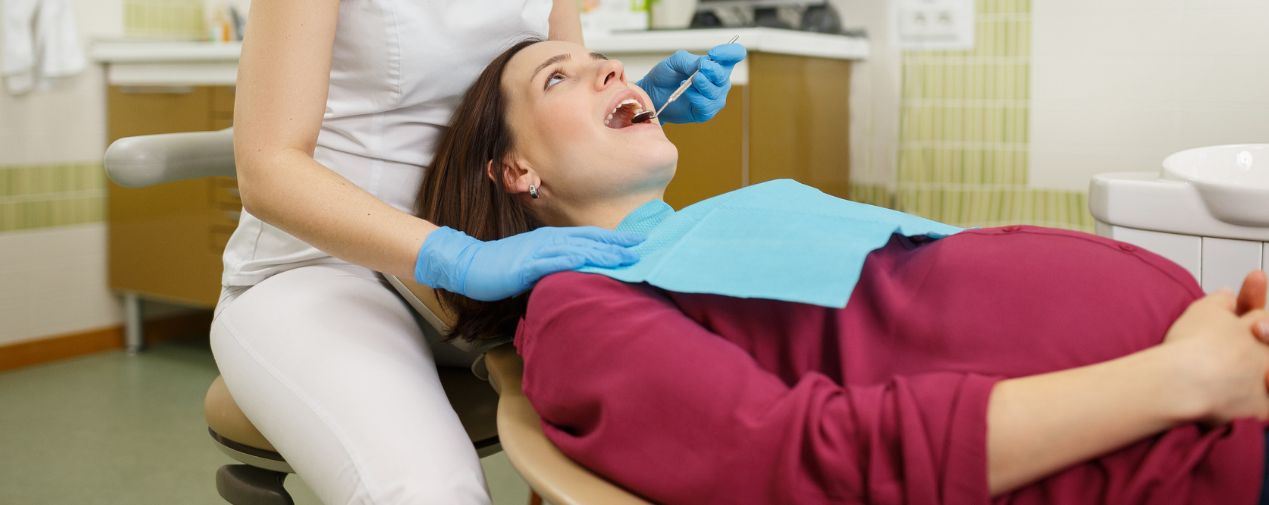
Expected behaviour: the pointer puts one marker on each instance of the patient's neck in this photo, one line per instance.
(606, 213)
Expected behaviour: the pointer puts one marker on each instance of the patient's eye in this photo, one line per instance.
(554, 79)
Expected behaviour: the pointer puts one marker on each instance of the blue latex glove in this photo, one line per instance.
(708, 92)
(487, 271)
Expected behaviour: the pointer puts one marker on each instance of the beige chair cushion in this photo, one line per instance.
(224, 418)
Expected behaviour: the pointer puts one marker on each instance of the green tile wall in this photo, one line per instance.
(45, 196)
(174, 19)
(964, 143)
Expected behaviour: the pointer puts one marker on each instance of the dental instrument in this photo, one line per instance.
(648, 115)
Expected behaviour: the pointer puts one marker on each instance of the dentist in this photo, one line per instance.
(339, 107)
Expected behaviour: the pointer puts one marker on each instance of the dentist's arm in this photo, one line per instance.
(283, 75)
(566, 23)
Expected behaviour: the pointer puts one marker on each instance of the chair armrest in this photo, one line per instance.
(548, 471)
(152, 159)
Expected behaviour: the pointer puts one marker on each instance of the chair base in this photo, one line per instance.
(248, 485)
(253, 456)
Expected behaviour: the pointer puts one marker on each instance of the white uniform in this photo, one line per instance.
(320, 355)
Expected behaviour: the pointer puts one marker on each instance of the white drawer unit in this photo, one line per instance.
(1226, 262)
(1207, 210)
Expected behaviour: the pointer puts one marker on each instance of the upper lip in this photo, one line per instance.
(620, 97)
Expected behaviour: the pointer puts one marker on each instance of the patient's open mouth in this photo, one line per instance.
(621, 116)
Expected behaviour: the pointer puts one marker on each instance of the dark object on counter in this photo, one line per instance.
(769, 17)
(822, 19)
(240, 24)
(706, 19)
(810, 16)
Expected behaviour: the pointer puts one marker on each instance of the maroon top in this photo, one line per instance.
(693, 399)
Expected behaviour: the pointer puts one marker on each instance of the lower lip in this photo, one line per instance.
(637, 126)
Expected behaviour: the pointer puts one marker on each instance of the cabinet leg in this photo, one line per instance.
(134, 339)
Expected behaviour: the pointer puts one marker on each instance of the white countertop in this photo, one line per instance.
(762, 40)
(144, 62)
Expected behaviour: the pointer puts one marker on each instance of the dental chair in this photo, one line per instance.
(497, 418)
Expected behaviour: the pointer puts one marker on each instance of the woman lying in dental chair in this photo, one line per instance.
(1015, 365)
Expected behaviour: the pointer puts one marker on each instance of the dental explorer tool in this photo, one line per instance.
(647, 115)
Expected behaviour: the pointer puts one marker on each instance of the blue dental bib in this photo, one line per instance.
(778, 240)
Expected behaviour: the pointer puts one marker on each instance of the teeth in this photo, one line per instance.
(628, 101)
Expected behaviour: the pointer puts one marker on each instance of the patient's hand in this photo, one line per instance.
(1252, 297)
(1217, 355)
(1252, 294)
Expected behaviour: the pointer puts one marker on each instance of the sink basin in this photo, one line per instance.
(1233, 180)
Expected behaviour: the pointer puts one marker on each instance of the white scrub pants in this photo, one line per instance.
(333, 369)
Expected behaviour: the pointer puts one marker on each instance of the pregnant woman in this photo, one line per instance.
(922, 365)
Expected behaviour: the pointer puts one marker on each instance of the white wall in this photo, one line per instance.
(1118, 85)
(53, 281)
(68, 122)
(874, 93)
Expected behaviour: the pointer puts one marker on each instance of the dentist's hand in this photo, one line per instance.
(487, 271)
(708, 92)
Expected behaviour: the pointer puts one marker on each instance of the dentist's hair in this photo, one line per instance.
(457, 193)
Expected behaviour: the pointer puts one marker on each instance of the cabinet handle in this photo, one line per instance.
(156, 90)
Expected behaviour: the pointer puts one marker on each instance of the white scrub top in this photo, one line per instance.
(398, 70)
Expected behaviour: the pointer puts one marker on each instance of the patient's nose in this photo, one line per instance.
(610, 72)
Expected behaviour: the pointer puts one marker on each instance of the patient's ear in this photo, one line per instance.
(514, 174)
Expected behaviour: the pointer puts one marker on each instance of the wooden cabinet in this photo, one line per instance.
(165, 242)
(790, 120)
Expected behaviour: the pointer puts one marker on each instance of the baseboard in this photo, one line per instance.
(44, 350)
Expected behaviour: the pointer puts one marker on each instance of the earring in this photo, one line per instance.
(533, 192)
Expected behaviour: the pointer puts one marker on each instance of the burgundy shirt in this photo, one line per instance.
(694, 399)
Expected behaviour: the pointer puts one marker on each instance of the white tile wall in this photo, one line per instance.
(45, 134)
(53, 281)
(1119, 85)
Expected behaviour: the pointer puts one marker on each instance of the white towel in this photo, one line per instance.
(40, 42)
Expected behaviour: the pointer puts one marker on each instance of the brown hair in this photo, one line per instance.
(457, 193)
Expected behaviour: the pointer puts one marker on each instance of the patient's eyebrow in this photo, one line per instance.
(549, 61)
(561, 57)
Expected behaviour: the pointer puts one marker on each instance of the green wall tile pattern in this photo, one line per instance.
(168, 19)
(964, 139)
(46, 196)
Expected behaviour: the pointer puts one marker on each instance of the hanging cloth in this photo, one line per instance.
(39, 41)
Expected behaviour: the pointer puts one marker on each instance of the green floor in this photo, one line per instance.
(117, 429)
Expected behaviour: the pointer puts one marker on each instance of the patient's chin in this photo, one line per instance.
(660, 154)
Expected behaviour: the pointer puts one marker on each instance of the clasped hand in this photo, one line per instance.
(1221, 344)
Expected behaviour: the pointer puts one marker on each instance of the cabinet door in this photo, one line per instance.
(160, 244)
(711, 154)
(799, 121)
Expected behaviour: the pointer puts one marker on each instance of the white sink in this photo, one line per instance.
(1232, 180)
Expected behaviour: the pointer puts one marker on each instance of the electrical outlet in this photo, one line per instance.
(935, 24)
